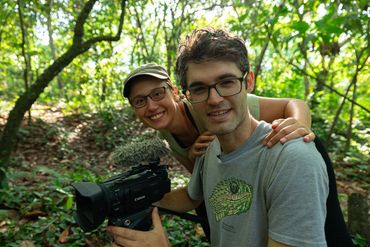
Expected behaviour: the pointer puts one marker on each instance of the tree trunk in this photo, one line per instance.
(52, 46)
(268, 39)
(25, 101)
(27, 59)
(328, 139)
(349, 129)
(358, 218)
(306, 82)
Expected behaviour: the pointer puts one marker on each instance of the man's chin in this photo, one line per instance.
(220, 130)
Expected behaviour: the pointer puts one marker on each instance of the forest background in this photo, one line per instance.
(62, 113)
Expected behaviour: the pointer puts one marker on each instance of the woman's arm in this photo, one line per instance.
(276, 108)
(290, 118)
(198, 148)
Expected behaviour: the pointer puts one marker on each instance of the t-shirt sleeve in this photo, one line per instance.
(296, 196)
(254, 106)
(195, 186)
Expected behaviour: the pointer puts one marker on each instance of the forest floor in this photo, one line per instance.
(60, 142)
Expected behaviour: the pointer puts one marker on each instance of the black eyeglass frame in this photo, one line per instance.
(240, 79)
(145, 97)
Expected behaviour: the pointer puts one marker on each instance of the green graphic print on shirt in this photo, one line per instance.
(231, 197)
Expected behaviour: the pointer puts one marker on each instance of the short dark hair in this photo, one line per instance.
(208, 44)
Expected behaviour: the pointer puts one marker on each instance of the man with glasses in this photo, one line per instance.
(254, 196)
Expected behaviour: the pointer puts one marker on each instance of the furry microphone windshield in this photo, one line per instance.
(137, 152)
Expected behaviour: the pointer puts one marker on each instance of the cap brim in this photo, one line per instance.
(127, 85)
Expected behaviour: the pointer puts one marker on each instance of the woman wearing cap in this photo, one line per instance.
(158, 105)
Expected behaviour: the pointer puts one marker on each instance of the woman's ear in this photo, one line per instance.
(249, 82)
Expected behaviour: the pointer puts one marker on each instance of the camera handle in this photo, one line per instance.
(141, 220)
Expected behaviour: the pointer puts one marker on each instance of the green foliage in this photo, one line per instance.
(45, 210)
(313, 50)
(49, 202)
(359, 241)
(182, 233)
(111, 129)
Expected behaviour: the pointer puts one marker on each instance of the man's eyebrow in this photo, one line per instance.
(196, 83)
(223, 76)
(227, 75)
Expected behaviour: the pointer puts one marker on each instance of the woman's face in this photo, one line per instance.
(157, 114)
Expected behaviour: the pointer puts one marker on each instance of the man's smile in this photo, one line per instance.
(218, 115)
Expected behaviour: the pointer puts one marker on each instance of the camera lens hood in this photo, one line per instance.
(91, 207)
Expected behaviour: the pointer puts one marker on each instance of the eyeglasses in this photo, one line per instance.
(156, 94)
(225, 87)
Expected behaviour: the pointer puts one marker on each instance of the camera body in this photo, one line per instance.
(124, 199)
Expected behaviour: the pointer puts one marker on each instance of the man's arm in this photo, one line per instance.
(178, 200)
(272, 243)
(290, 118)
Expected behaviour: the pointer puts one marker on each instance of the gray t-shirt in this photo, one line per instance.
(254, 192)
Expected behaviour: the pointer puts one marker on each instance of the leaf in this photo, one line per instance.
(93, 241)
(327, 27)
(34, 214)
(300, 26)
(26, 243)
(63, 237)
(69, 202)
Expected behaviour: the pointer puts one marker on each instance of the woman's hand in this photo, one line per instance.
(200, 145)
(287, 129)
(132, 238)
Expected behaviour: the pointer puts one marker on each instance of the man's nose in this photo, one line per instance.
(214, 97)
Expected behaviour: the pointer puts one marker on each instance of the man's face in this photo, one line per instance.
(221, 115)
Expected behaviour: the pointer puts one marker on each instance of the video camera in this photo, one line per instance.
(124, 199)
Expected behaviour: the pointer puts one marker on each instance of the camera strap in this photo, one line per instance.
(185, 216)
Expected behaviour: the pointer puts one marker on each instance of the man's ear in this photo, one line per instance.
(249, 82)
(176, 93)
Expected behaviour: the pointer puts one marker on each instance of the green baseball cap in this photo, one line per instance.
(150, 69)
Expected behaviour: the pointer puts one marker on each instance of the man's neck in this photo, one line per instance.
(234, 140)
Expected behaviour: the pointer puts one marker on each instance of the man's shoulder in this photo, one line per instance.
(297, 154)
(296, 146)
(300, 147)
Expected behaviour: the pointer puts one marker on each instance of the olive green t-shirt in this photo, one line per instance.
(179, 150)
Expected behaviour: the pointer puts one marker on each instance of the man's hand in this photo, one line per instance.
(131, 238)
(200, 145)
(287, 129)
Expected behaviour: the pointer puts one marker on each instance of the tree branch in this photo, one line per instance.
(81, 19)
(323, 83)
(25, 101)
